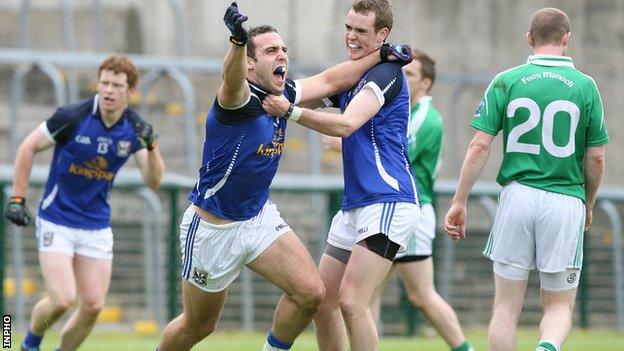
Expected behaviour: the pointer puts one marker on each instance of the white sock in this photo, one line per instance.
(268, 347)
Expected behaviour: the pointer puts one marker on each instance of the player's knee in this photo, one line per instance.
(63, 303)
(312, 296)
(416, 299)
(92, 308)
(197, 330)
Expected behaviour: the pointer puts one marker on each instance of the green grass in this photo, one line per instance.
(579, 340)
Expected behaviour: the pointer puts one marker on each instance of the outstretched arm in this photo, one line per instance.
(346, 74)
(476, 157)
(362, 108)
(234, 90)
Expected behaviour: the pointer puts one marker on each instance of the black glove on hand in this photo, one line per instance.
(403, 53)
(17, 212)
(234, 21)
(145, 133)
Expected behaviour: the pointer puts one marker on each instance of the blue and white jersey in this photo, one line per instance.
(375, 162)
(242, 150)
(87, 156)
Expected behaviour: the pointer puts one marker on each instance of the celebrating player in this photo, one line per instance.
(92, 140)
(554, 134)
(231, 223)
(380, 206)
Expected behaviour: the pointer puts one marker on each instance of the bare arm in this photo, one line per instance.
(234, 90)
(594, 171)
(335, 79)
(476, 157)
(151, 165)
(361, 109)
(35, 142)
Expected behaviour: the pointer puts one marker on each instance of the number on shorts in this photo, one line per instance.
(513, 145)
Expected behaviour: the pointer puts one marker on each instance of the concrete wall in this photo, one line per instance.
(476, 37)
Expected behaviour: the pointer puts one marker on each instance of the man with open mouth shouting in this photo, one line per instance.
(231, 223)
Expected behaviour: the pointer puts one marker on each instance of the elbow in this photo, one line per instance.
(154, 184)
(479, 147)
(345, 130)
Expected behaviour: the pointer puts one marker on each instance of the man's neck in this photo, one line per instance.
(415, 98)
(110, 119)
(555, 50)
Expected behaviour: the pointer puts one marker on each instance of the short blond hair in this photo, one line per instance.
(548, 26)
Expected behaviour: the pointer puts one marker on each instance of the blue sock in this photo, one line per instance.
(275, 342)
(57, 349)
(31, 340)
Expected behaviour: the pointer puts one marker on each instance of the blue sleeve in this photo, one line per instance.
(386, 80)
(66, 119)
(292, 91)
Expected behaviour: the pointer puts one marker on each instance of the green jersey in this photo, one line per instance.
(549, 113)
(425, 135)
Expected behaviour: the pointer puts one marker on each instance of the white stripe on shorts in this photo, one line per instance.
(188, 246)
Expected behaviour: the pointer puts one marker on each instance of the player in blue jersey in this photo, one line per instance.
(380, 206)
(230, 222)
(92, 140)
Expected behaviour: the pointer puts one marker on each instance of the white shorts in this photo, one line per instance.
(539, 229)
(213, 255)
(420, 242)
(92, 243)
(397, 220)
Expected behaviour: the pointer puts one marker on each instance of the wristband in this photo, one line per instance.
(296, 114)
(293, 113)
(17, 200)
(237, 41)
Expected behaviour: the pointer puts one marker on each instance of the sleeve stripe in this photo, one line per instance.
(44, 129)
(378, 93)
(298, 92)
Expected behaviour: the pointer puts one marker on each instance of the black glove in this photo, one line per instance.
(234, 21)
(145, 134)
(17, 212)
(403, 53)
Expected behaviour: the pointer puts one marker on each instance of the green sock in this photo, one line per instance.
(464, 347)
(544, 345)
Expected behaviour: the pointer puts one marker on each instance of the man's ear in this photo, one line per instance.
(529, 38)
(250, 63)
(566, 39)
(382, 34)
(425, 83)
(132, 91)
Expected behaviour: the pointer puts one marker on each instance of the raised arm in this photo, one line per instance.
(234, 90)
(346, 74)
(148, 158)
(594, 171)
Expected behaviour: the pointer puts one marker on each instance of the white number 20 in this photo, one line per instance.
(513, 145)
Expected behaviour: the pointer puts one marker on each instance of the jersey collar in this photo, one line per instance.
(421, 101)
(551, 60)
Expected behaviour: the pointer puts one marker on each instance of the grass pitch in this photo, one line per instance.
(579, 340)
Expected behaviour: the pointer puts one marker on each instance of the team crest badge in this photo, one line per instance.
(479, 108)
(571, 278)
(123, 148)
(200, 277)
(48, 238)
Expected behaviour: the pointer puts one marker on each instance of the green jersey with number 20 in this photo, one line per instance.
(549, 113)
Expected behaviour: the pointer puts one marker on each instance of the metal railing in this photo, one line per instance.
(163, 301)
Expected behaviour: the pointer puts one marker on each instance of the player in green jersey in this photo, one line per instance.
(554, 137)
(415, 264)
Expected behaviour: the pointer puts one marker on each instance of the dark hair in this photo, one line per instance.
(121, 64)
(253, 32)
(548, 26)
(381, 8)
(427, 65)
